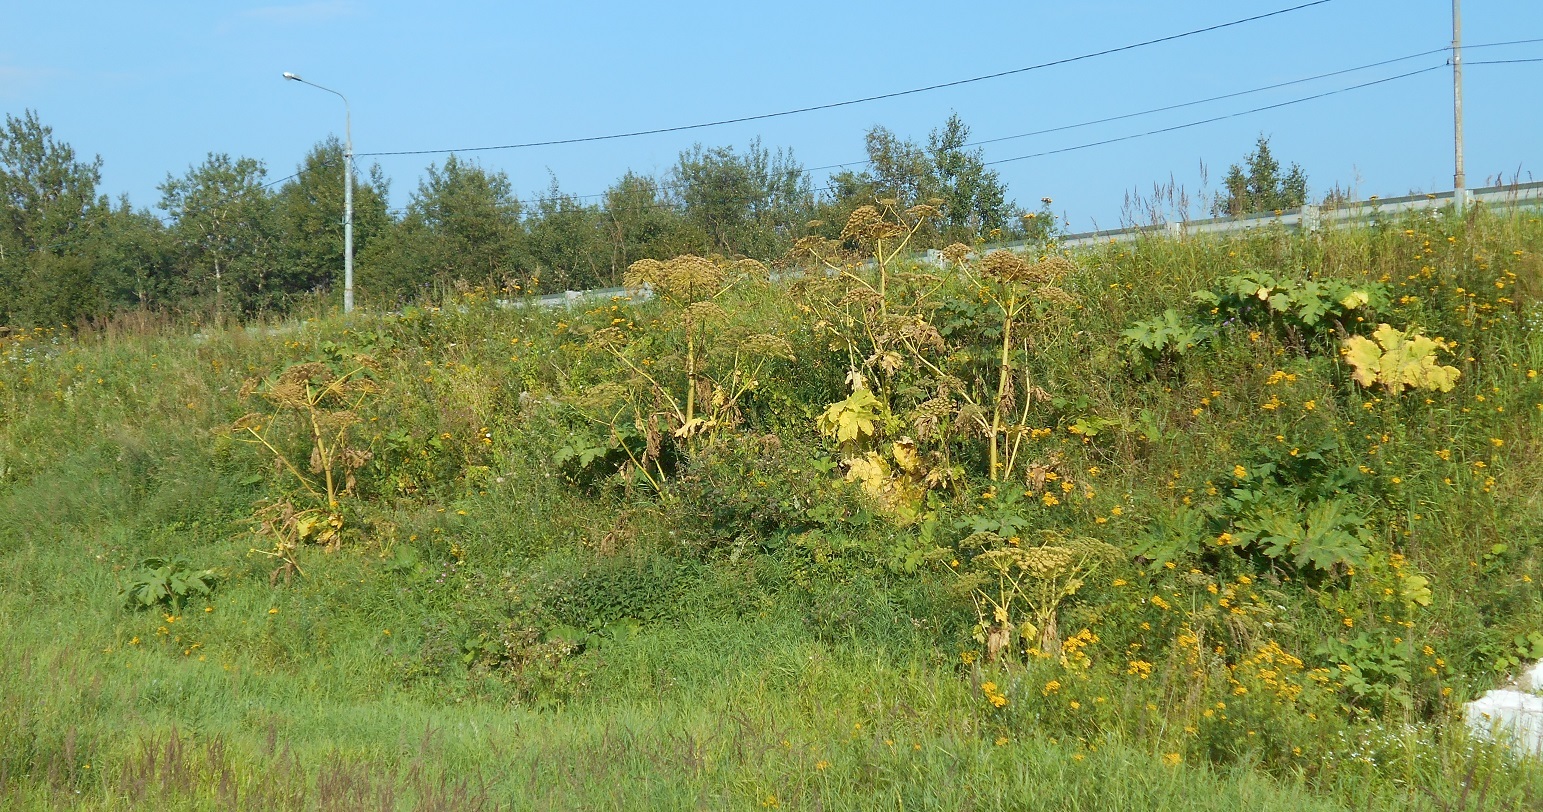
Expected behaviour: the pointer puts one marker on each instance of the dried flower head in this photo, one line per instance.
(956, 253)
(867, 224)
(1006, 266)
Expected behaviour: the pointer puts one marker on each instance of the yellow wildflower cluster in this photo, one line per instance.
(1074, 649)
(994, 696)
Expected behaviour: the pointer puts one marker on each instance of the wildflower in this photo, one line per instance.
(1239, 472)
(273, 611)
(1001, 740)
(821, 765)
(1172, 759)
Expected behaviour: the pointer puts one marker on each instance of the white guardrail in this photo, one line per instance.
(1310, 217)
(1314, 217)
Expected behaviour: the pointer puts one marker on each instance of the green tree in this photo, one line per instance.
(1258, 186)
(221, 224)
(565, 242)
(974, 197)
(308, 219)
(462, 225)
(641, 223)
(749, 205)
(945, 173)
(48, 204)
(135, 259)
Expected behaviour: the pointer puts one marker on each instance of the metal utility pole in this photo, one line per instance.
(1459, 180)
(348, 192)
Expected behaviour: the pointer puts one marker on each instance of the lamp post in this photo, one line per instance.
(348, 192)
(1459, 178)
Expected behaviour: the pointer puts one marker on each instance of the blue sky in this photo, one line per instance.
(154, 87)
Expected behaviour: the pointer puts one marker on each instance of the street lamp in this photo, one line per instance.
(348, 193)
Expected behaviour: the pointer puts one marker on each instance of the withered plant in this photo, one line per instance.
(682, 399)
(316, 405)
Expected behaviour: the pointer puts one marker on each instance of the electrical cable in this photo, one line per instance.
(865, 99)
(1217, 118)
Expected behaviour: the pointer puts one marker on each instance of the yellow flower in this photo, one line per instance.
(273, 611)
(1001, 740)
(820, 765)
(1240, 472)
(1172, 759)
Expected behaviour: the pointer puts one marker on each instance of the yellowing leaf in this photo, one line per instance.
(906, 457)
(1416, 589)
(1399, 360)
(851, 419)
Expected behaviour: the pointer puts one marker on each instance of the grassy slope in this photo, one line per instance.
(761, 681)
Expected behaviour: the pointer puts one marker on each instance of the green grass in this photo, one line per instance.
(417, 667)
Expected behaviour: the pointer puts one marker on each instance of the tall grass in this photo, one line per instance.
(764, 675)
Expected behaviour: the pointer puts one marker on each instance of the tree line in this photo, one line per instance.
(230, 243)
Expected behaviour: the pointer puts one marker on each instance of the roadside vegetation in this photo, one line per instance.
(1180, 524)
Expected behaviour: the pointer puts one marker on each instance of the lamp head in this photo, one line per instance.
(288, 75)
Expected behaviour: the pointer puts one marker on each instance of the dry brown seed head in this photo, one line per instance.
(1006, 266)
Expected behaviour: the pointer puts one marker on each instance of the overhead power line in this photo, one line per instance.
(830, 187)
(1214, 119)
(1123, 116)
(863, 100)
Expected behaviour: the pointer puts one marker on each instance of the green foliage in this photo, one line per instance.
(1301, 309)
(1165, 338)
(48, 206)
(764, 615)
(743, 204)
(971, 199)
(221, 223)
(1326, 536)
(1258, 185)
(1303, 312)
(308, 221)
(170, 582)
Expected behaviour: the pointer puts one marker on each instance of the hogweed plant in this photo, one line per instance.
(1016, 288)
(1018, 587)
(320, 402)
(1398, 360)
(875, 310)
(721, 362)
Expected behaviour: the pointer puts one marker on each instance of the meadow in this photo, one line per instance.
(1203, 523)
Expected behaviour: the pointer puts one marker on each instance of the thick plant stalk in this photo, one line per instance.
(1002, 373)
(690, 375)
